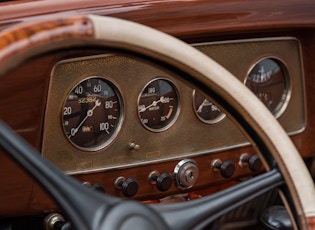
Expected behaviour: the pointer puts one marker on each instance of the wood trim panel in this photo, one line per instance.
(196, 17)
(29, 36)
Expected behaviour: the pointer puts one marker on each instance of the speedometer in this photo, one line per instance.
(92, 114)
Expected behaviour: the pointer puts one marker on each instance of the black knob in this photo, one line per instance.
(227, 168)
(129, 186)
(254, 162)
(163, 181)
(98, 187)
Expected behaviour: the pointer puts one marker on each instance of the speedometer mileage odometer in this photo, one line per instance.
(92, 114)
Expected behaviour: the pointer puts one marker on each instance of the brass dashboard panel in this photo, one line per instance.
(188, 136)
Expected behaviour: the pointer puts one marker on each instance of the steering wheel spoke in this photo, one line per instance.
(201, 212)
(89, 209)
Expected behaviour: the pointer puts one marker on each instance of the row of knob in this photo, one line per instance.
(185, 175)
(129, 186)
(227, 168)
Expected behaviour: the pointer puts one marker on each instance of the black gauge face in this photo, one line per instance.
(92, 114)
(205, 110)
(158, 105)
(269, 82)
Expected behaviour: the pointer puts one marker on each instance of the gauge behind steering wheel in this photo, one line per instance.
(98, 211)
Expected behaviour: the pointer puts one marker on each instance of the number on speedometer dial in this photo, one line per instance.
(92, 114)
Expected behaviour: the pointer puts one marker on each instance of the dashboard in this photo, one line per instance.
(116, 111)
(109, 113)
(123, 125)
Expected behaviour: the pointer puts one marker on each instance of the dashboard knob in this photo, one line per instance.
(98, 187)
(129, 186)
(163, 181)
(54, 221)
(186, 173)
(226, 168)
(254, 162)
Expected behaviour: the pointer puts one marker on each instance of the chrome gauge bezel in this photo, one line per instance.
(177, 112)
(219, 118)
(120, 118)
(286, 94)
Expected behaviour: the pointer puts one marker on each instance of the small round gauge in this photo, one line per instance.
(268, 80)
(205, 110)
(158, 105)
(92, 114)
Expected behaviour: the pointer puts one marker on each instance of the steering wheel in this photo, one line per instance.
(99, 211)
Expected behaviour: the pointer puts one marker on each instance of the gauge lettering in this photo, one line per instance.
(78, 90)
(67, 111)
(87, 100)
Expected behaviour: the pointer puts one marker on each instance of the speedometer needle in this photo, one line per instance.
(88, 114)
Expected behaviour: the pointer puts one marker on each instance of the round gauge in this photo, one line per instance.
(158, 105)
(92, 114)
(269, 82)
(205, 110)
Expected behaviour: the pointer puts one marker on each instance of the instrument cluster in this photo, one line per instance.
(116, 111)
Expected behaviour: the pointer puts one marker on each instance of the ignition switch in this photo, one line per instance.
(186, 173)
